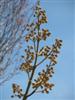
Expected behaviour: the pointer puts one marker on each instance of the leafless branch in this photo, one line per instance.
(14, 16)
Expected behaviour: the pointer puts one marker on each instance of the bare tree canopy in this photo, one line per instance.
(14, 16)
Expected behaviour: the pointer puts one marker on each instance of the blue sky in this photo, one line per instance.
(61, 22)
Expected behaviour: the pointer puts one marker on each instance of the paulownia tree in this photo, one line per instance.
(14, 17)
(35, 55)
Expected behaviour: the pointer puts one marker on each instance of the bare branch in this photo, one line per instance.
(14, 16)
(44, 59)
(32, 92)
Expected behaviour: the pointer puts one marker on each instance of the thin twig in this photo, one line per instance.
(44, 59)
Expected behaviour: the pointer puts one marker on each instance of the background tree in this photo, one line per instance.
(35, 55)
(14, 16)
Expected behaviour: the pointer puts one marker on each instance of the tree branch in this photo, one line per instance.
(32, 92)
(10, 11)
(44, 59)
(34, 67)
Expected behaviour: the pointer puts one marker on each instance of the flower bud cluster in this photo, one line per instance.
(55, 51)
(17, 90)
(42, 80)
